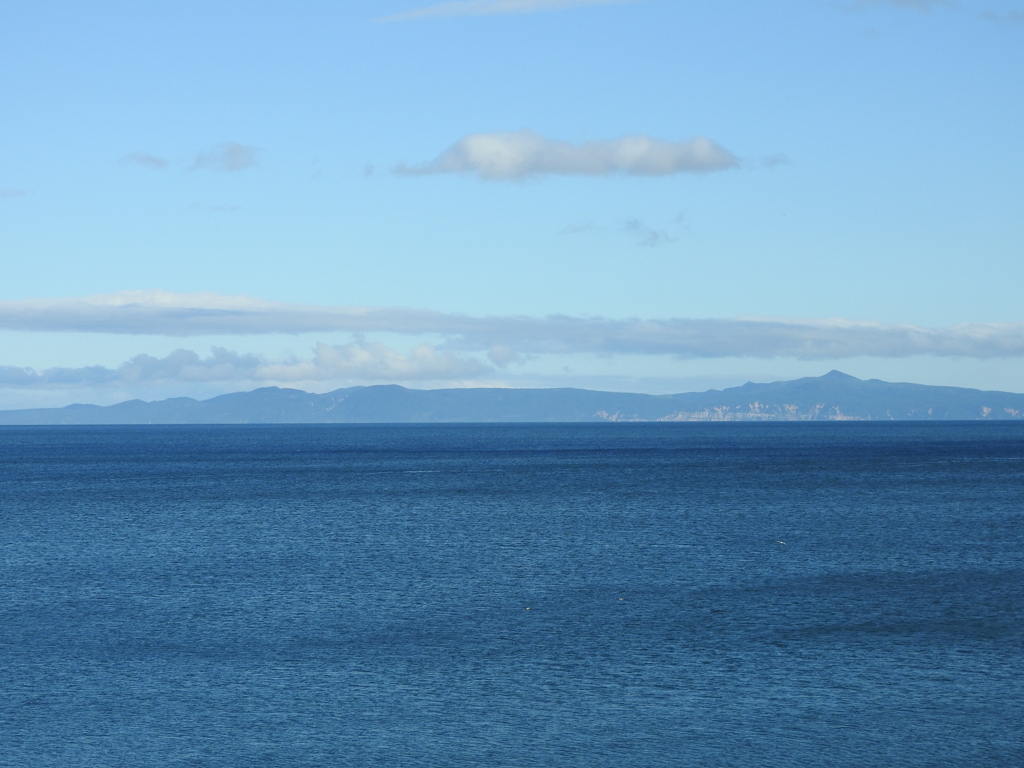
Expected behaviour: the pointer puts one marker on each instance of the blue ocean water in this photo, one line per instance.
(591, 596)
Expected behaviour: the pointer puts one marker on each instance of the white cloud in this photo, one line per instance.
(226, 157)
(491, 7)
(169, 314)
(374, 361)
(358, 361)
(503, 356)
(519, 154)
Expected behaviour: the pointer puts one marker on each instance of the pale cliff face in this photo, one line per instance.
(757, 411)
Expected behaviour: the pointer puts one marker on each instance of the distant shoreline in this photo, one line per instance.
(829, 398)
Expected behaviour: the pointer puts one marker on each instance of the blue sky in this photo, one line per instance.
(647, 195)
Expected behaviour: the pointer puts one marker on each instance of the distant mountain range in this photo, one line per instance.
(832, 397)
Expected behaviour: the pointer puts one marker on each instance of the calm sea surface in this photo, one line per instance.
(584, 596)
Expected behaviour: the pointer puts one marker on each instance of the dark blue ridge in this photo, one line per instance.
(836, 396)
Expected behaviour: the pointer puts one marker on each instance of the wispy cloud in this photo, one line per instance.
(1004, 17)
(576, 229)
(521, 154)
(146, 160)
(168, 314)
(647, 236)
(773, 161)
(12, 193)
(642, 233)
(227, 157)
(491, 7)
(915, 5)
(359, 361)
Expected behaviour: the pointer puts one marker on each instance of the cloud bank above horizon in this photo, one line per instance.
(525, 153)
(505, 338)
(360, 361)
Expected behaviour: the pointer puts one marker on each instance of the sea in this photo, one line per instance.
(505, 596)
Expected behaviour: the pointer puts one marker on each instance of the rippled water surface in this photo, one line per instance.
(582, 596)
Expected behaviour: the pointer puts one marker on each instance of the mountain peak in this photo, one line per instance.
(835, 375)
